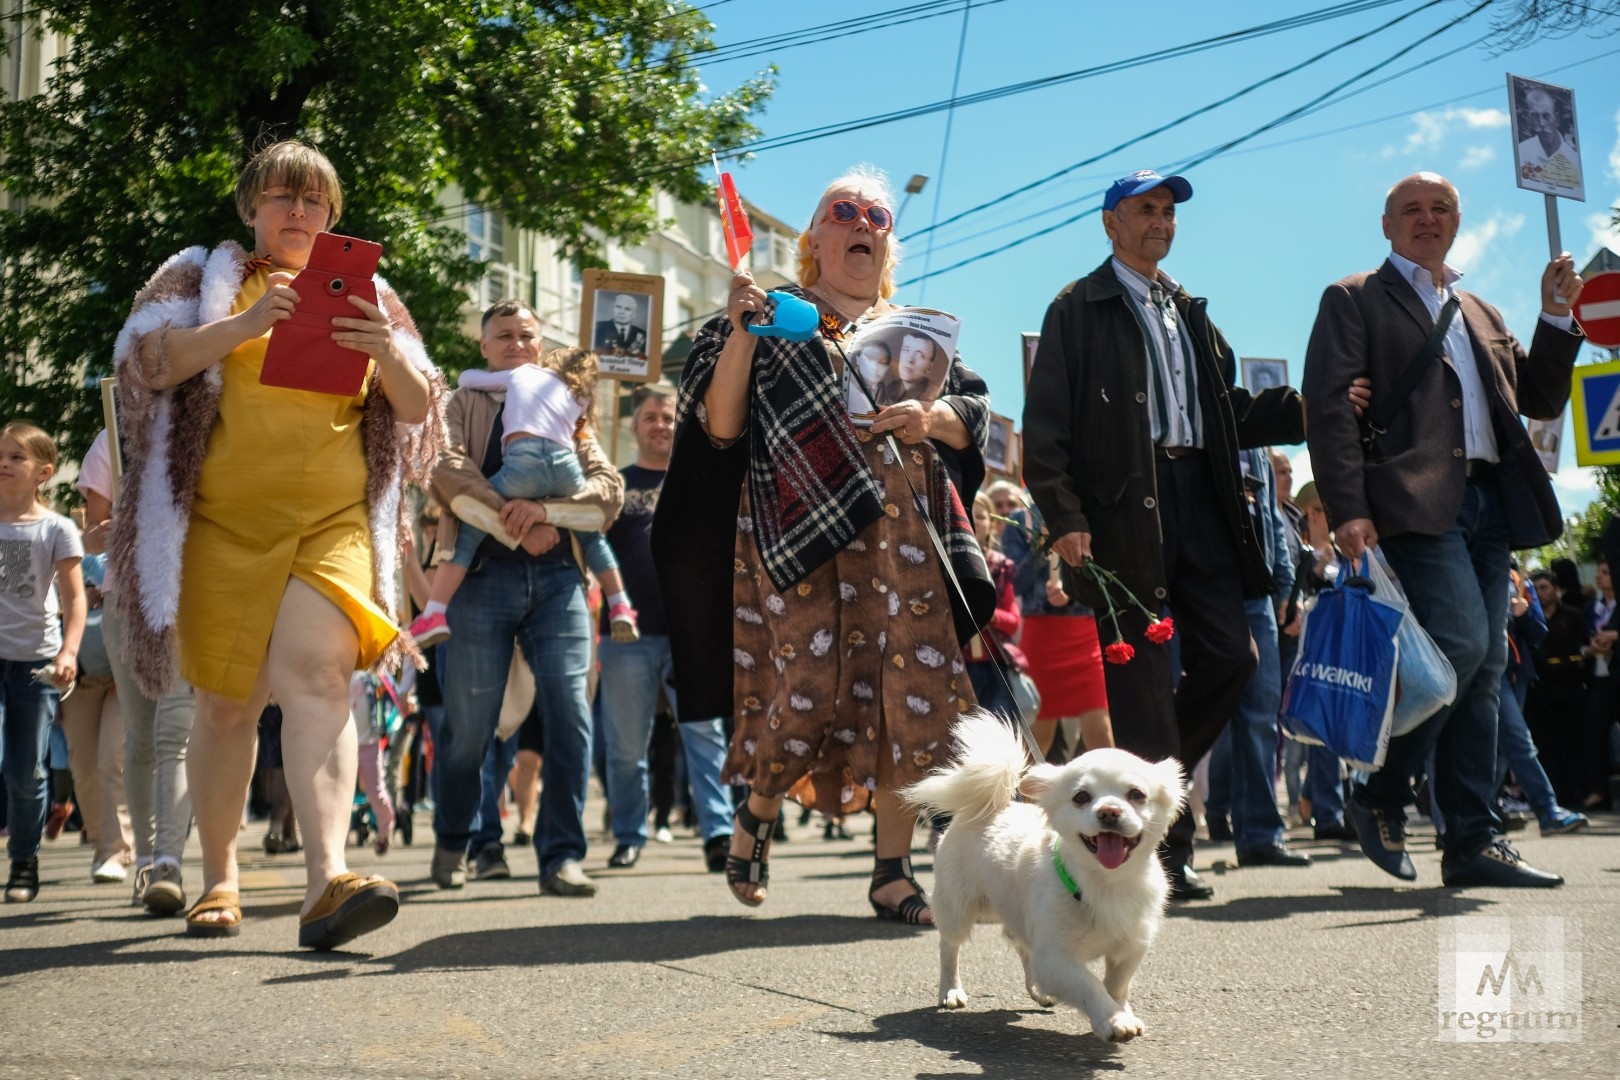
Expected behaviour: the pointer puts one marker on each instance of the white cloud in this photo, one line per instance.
(1477, 156)
(1429, 129)
(1473, 244)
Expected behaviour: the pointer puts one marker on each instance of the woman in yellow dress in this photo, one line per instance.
(260, 527)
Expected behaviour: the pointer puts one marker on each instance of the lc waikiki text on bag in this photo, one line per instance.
(1341, 691)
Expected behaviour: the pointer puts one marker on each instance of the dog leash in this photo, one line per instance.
(1024, 729)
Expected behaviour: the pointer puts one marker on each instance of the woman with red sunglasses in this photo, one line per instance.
(806, 598)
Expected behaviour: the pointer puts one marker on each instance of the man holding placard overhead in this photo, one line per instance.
(1442, 478)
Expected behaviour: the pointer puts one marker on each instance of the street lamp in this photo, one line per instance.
(913, 186)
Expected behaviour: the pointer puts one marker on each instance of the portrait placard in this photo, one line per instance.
(621, 319)
(1546, 142)
(1261, 374)
(1001, 447)
(904, 355)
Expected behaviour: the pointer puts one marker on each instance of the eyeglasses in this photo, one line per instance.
(844, 211)
(282, 199)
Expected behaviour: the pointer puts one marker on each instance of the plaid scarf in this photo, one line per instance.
(809, 486)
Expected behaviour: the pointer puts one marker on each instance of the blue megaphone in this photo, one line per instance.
(796, 319)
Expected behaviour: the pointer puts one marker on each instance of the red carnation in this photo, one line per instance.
(1119, 653)
(1161, 631)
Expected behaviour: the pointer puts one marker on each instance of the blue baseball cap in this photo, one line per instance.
(1145, 180)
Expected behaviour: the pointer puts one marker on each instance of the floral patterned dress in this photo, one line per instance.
(856, 663)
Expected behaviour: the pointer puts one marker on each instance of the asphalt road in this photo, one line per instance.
(1328, 971)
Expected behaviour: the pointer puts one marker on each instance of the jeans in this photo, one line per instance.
(497, 767)
(992, 694)
(1256, 824)
(540, 606)
(155, 738)
(628, 698)
(1516, 750)
(538, 468)
(1457, 584)
(26, 708)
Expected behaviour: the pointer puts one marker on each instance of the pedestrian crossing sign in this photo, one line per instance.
(1596, 400)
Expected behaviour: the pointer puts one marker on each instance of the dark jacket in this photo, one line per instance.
(1374, 324)
(1088, 445)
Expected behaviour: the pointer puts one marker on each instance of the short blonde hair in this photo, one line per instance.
(872, 183)
(299, 166)
(1006, 487)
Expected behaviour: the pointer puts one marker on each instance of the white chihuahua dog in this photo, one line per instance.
(1071, 874)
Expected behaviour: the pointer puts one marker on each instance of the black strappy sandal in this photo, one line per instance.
(913, 907)
(754, 870)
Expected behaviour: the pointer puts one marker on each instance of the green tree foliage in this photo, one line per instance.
(564, 115)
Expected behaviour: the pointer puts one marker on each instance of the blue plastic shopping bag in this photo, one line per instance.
(1341, 691)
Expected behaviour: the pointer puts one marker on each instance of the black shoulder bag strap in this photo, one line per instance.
(1030, 743)
(1379, 421)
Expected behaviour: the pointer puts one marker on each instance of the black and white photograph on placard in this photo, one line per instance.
(999, 450)
(619, 321)
(1261, 374)
(1546, 142)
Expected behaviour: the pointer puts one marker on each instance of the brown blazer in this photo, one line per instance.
(1374, 324)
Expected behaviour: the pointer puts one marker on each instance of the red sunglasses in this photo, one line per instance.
(844, 211)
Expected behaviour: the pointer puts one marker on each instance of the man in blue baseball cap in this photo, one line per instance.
(1142, 182)
(1132, 427)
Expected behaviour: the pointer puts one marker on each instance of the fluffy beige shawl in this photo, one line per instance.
(165, 435)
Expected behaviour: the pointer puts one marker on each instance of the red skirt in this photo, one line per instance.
(1065, 660)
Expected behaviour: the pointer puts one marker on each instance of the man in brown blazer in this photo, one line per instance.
(1444, 493)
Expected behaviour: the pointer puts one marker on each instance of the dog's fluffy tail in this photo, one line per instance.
(982, 778)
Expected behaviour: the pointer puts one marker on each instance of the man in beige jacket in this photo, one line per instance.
(532, 595)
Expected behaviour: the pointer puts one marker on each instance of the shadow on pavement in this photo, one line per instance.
(1407, 903)
(639, 943)
(994, 1041)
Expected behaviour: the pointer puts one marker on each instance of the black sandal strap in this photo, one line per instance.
(887, 871)
(754, 870)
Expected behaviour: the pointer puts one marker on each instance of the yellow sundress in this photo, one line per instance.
(282, 494)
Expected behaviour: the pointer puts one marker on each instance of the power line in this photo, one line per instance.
(1208, 155)
(945, 146)
(1182, 119)
(762, 145)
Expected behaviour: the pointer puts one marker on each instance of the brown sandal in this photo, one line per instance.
(215, 900)
(350, 906)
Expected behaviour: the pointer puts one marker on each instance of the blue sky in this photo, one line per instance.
(1271, 222)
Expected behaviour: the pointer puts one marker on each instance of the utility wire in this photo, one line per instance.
(762, 145)
(1199, 159)
(945, 146)
(1182, 119)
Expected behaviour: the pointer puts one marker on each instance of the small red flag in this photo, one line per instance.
(734, 220)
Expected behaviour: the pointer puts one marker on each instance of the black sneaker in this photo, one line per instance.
(23, 884)
(715, 850)
(1497, 866)
(491, 863)
(1382, 834)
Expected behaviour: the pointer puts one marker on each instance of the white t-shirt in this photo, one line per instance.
(537, 401)
(29, 552)
(95, 475)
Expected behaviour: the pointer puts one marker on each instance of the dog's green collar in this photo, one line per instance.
(1063, 874)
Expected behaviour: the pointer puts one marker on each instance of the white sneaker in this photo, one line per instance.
(109, 872)
(663, 836)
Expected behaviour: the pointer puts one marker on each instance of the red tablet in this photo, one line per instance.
(301, 354)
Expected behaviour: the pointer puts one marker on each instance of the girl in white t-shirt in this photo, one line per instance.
(39, 560)
(547, 409)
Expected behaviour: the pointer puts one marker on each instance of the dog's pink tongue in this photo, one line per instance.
(1111, 850)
